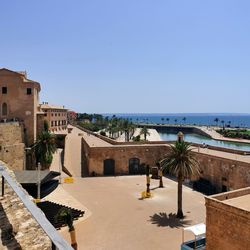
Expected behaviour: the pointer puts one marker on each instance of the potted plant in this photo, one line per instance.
(64, 215)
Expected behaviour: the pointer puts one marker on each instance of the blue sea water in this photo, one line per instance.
(235, 120)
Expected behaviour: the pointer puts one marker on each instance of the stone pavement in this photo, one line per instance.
(120, 220)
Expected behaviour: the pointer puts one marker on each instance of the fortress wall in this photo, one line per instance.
(219, 171)
(11, 145)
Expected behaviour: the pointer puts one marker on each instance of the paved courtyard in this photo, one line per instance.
(120, 220)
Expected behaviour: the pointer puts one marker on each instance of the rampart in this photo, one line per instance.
(12, 149)
(228, 220)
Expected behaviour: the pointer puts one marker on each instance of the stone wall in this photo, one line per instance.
(219, 171)
(19, 230)
(224, 172)
(11, 145)
(20, 104)
(227, 227)
(121, 155)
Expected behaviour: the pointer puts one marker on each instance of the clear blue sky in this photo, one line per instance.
(132, 55)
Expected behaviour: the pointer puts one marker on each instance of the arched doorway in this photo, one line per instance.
(4, 109)
(134, 166)
(109, 167)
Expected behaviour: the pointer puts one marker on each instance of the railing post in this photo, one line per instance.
(2, 186)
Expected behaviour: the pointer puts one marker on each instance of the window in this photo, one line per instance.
(52, 123)
(4, 109)
(29, 91)
(55, 123)
(4, 90)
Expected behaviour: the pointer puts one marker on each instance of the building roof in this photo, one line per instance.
(48, 106)
(242, 202)
(22, 74)
(238, 199)
(31, 176)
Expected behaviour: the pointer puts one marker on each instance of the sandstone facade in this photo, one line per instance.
(221, 172)
(12, 149)
(19, 98)
(56, 116)
(228, 221)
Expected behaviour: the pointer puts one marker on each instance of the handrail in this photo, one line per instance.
(37, 214)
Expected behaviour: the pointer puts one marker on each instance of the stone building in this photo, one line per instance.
(228, 220)
(56, 116)
(72, 115)
(117, 158)
(19, 98)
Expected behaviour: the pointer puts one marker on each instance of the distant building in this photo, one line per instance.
(72, 115)
(19, 98)
(55, 115)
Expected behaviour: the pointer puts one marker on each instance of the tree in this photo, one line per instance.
(184, 119)
(181, 162)
(44, 147)
(175, 120)
(144, 131)
(216, 120)
(45, 125)
(128, 128)
(64, 215)
(167, 119)
(162, 119)
(223, 124)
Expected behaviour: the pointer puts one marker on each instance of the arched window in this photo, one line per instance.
(4, 109)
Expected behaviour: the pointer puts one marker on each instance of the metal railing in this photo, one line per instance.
(57, 240)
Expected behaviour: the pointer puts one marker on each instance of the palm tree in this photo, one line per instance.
(216, 120)
(162, 119)
(144, 131)
(184, 119)
(180, 161)
(167, 119)
(175, 120)
(64, 215)
(223, 122)
(128, 128)
(44, 147)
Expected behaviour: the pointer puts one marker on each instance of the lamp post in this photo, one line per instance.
(38, 182)
(148, 179)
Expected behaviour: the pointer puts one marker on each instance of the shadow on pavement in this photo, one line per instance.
(170, 220)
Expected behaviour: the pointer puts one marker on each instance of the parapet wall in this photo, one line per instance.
(221, 172)
(19, 229)
(227, 226)
(11, 145)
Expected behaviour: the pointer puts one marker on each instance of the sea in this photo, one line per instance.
(232, 120)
